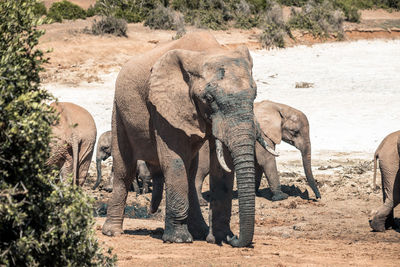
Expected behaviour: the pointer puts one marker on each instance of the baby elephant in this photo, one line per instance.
(103, 152)
(277, 122)
(388, 153)
(72, 145)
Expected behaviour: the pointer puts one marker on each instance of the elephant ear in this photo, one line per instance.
(170, 80)
(270, 121)
(244, 52)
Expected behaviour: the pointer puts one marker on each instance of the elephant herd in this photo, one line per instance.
(185, 110)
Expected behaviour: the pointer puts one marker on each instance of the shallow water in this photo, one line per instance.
(354, 101)
(352, 106)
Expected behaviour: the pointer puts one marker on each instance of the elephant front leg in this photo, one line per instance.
(268, 163)
(221, 185)
(197, 226)
(177, 202)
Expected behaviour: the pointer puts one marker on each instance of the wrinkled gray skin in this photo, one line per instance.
(103, 152)
(278, 122)
(73, 139)
(168, 101)
(388, 153)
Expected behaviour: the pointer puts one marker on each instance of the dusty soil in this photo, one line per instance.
(299, 231)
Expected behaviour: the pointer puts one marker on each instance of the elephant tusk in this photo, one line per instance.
(265, 146)
(220, 155)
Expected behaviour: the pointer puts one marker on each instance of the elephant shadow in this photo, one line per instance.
(156, 233)
(397, 225)
(292, 191)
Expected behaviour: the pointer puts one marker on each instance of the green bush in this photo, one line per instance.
(274, 28)
(110, 25)
(322, 20)
(351, 11)
(39, 9)
(164, 18)
(130, 10)
(43, 222)
(65, 10)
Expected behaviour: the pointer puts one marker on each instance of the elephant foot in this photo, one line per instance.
(177, 234)
(112, 229)
(203, 202)
(198, 231)
(210, 238)
(279, 195)
(377, 226)
(219, 236)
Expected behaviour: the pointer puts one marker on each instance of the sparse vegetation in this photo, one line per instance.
(43, 222)
(322, 20)
(39, 9)
(109, 25)
(65, 10)
(164, 18)
(275, 29)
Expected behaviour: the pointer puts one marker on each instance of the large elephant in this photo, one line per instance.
(168, 101)
(103, 152)
(388, 153)
(277, 122)
(74, 137)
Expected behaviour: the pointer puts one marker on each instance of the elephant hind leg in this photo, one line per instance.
(124, 165)
(83, 166)
(384, 217)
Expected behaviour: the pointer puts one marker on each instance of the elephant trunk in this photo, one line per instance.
(242, 151)
(306, 156)
(98, 168)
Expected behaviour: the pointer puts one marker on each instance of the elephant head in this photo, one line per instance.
(212, 93)
(282, 122)
(103, 152)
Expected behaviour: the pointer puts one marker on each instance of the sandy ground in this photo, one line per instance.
(351, 105)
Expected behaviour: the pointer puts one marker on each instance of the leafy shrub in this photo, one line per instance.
(110, 25)
(130, 10)
(65, 10)
(274, 28)
(42, 222)
(39, 9)
(164, 18)
(351, 12)
(243, 15)
(321, 20)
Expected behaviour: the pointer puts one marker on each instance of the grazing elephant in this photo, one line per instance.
(74, 137)
(103, 152)
(388, 153)
(277, 121)
(167, 102)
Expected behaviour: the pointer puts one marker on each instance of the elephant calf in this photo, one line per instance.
(277, 122)
(103, 152)
(388, 153)
(74, 136)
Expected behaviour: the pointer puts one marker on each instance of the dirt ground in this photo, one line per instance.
(299, 231)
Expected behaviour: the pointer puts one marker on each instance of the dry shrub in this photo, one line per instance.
(109, 25)
(322, 20)
(164, 18)
(275, 29)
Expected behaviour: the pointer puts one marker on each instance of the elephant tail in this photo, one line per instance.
(75, 158)
(376, 157)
